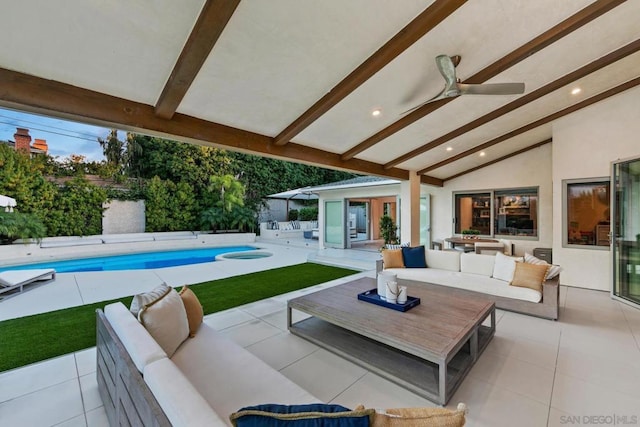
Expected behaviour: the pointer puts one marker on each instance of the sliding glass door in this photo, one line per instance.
(334, 221)
(625, 201)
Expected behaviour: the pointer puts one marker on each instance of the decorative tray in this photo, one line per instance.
(373, 297)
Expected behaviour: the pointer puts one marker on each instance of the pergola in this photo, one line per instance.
(299, 80)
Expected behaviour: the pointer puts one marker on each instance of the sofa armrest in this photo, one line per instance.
(379, 266)
(551, 292)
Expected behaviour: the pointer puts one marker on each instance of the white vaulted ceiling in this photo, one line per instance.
(298, 79)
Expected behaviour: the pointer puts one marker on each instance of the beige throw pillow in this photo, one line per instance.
(143, 299)
(529, 276)
(420, 417)
(392, 258)
(192, 305)
(166, 321)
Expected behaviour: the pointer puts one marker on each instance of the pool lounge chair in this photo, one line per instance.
(16, 279)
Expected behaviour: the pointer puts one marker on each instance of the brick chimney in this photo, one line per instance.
(41, 144)
(23, 140)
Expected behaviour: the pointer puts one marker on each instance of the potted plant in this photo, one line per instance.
(388, 230)
(470, 233)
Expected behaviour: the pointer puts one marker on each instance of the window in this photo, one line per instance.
(516, 212)
(473, 212)
(587, 219)
(512, 212)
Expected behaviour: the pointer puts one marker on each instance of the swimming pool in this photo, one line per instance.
(138, 261)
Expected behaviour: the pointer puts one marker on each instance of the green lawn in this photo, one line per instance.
(34, 338)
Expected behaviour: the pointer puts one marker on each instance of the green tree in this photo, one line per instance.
(226, 196)
(113, 149)
(22, 178)
(156, 196)
(122, 156)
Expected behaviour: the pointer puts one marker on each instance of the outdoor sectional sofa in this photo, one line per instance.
(159, 364)
(202, 383)
(470, 273)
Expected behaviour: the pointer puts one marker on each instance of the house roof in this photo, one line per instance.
(32, 149)
(361, 181)
(299, 80)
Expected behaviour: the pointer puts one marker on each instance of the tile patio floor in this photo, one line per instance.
(534, 372)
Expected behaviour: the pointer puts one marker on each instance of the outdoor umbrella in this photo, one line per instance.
(7, 202)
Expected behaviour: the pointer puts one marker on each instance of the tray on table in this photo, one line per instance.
(372, 297)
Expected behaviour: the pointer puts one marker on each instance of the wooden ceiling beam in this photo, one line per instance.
(412, 32)
(580, 105)
(36, 95)
(550, 36)
(590, 68)
(515, 153)
(214, 16)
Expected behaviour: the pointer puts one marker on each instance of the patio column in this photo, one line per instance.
(410, 210)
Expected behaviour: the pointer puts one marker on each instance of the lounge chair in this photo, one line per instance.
(16, 279)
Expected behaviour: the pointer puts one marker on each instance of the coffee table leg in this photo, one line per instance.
(442, 382)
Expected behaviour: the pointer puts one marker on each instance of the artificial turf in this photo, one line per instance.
(34, 338)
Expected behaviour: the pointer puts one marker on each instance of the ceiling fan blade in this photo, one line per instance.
(438, 97)
(491, 89)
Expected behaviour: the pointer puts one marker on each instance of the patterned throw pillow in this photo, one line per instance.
(554, 270)
(145, 298)
(316, 414)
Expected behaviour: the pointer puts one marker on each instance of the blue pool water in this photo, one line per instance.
(139, 261)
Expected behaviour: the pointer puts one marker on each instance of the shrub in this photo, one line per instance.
(309, 214)
(293, 214)
(16, 225)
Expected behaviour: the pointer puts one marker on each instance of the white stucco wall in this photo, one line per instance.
(123, 216)
(584, 145)
(530, 169)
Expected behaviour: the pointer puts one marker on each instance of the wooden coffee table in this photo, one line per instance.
(428, 349)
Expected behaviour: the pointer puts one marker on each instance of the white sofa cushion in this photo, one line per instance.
(142, 348)
(230, 377)
(181, 402)
(477, 264)
(500, 288)
(429, 275)
(443, 260)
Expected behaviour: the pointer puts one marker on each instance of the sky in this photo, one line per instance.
(63, 137)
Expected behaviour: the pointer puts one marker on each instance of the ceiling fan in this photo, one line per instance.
(453, 88)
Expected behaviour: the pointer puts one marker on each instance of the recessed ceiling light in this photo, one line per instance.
(482, 154)
(576, 91)
(376, 112)
(449, 148)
